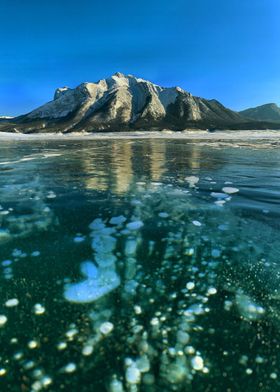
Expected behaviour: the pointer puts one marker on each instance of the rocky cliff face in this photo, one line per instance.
(267, 112)
(120, 103)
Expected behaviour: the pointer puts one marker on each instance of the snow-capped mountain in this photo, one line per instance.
(6, 117)
(119, 103)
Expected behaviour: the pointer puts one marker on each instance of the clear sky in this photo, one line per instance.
(223, 49)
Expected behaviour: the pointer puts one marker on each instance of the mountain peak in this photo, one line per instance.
(60, 91)
(123, 102)
(120, 75)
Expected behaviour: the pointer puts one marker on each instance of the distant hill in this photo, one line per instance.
(267, 112)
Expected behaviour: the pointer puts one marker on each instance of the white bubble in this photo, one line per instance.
(220, 203)
(219, 195)
(155, 321)
(97, 224)
(8, 276)
(29, 365)
(92, 288)
(137, 309)
(190, 252)
(243, 360)
(61, 346)
(183, 337)
(16, 253)
(36, 386)
(39, 309)
(71, 333)
(248, 308)
(130, 247)
(197, 223)
(32, 344)
(87, 350)
(117, 220)
(143, 364)
(211, 291)
(163, 215)
(230, 190)
(192, 180)
(6, 263)
(103, 243)
(135, 225)
(116, 386)
(106, 328)
(3, 320)
(197, 363)
(259, 359)
(70, 367)
(51, 195)
(215, 253)
(190, 285)
(78, 239)
(14, 340)
(12, 302)
(18, 356)
(172, 351)
(133, 375)
(4, 212)
(37, 373)
(46, 381)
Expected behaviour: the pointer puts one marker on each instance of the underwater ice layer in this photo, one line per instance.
(171, 279)
(166, 286)
(28, 211)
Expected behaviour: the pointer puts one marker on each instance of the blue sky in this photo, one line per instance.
(223, 49)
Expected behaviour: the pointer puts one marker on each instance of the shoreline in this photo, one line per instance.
(185, 135)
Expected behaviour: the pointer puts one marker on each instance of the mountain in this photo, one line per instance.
(5, 118)
(268, 112)
(121, 103)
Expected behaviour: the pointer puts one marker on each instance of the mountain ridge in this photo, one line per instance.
(122, 103)
(266, 112)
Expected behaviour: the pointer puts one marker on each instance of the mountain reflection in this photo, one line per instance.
(111, 165)
(115, 165)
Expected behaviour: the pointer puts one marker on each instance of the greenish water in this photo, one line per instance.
(146, 265)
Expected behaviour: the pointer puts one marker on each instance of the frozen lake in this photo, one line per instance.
(139, 265)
